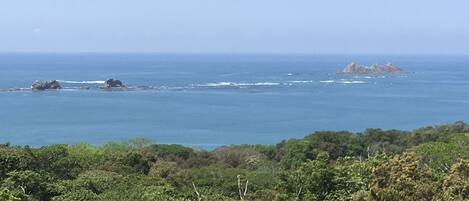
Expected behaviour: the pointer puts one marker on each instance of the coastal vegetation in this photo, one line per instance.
(430, 163)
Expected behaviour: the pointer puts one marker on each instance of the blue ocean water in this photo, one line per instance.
(211, 100)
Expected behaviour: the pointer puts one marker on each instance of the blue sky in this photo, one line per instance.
(236, 26)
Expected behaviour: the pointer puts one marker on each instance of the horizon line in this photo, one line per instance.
(231, 53)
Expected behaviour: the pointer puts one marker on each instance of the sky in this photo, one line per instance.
(236, 26)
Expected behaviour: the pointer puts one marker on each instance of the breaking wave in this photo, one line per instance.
(342, 81)
(235, 84)
(301, 81)
(82, 82)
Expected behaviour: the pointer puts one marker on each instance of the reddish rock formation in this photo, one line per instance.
(375, 68)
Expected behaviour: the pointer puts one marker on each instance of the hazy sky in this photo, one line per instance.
(236, 26)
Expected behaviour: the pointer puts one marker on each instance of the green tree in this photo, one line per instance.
(55, 160)
(77, 195)
(403, 178)
(28, 185)
(353, 177)
(336, 144)
(6, 195)
(13, 158)
(171, 172)
(97, 181)
(86, 156)
(313, 180)
(295, 152)
(456, 184)
(440, 156)
(141, 193)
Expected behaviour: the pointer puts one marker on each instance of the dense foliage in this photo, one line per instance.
(430, 163)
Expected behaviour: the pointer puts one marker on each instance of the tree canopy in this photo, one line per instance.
(430, 163)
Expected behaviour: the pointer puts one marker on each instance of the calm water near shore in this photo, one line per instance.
(211, 100)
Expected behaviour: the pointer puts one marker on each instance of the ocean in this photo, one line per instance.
(210, 100)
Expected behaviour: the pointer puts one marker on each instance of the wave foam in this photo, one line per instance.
(301, 81)
(327, 81)
(82, 82)
(363, 77)
(353, 82)
(344, 81)
(235, 84)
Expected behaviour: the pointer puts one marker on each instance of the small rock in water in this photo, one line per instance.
(111, 83)
(45, 84)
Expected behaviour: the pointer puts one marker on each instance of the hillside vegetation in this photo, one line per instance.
(430, 163)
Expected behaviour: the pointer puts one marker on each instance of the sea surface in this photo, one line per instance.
(207, 101)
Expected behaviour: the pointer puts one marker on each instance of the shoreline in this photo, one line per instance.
(214, 146)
